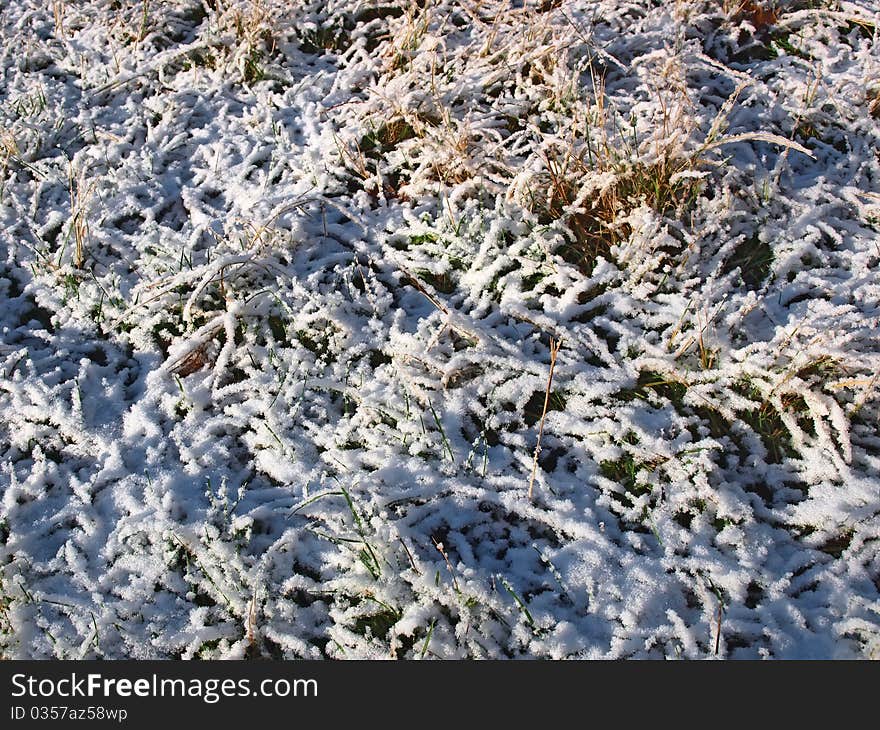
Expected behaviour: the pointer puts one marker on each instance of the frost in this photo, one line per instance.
(279, 283)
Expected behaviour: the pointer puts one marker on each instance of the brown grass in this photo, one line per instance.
(760, 15)
(874, 101)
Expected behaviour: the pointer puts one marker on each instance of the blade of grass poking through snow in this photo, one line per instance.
(442, 432)
(519, 602)
(95, 637)
(190, 554)
(366, 555)
(307, 502)
(428, 639)
(554, 351)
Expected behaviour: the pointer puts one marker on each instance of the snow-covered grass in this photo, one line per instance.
(281, 286)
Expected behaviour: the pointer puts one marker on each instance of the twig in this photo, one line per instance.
(554, 351)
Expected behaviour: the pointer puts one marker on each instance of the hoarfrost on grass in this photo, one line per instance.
(279, 285)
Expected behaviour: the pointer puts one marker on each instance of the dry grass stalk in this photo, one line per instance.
(442, 551)
(58, 13)
(555, 346)
(80, 193)
(253, 647)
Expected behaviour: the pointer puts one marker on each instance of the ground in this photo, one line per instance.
(435, 329)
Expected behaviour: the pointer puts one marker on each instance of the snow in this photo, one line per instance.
(278, 287)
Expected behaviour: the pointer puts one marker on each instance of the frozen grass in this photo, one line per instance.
(283, 289)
